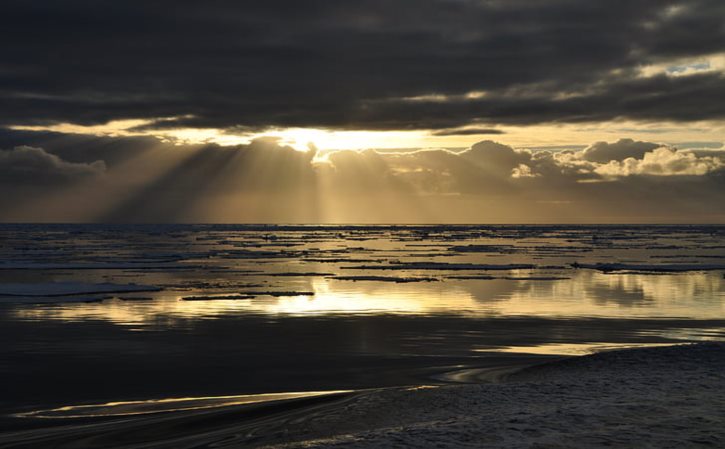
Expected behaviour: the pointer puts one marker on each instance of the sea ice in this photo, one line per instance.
(60, 289)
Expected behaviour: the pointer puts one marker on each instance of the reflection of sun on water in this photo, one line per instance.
(329, 298)
(131, 408)
(570, 348)
(696, 296)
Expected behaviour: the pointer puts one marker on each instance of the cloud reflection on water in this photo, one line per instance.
(586, 294)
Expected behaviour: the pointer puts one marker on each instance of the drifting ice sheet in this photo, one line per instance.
(63, 290)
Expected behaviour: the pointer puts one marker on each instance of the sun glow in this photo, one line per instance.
(298, 138)
(303, 139)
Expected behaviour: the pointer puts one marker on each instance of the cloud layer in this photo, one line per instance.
(369, 64)
(267, 181)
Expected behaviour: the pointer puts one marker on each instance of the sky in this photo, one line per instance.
(372, 111)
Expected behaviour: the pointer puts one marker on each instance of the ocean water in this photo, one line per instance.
(97, 313)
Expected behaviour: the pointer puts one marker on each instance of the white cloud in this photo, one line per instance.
(663, 161)
(488, 166)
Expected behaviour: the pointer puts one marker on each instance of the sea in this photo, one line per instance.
(97, 314)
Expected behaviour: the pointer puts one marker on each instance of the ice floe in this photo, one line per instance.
(48, 292)
(396, 279)
(607, 267)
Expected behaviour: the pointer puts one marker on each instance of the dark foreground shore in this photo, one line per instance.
(651, 397)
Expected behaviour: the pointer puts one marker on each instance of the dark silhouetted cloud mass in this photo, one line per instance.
(368, 64)
(28, 165)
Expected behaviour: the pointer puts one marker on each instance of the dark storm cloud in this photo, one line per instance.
(467, 132)
(355, 64)
(34, 166)
(83, 148)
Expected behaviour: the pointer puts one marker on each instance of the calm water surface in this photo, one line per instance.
(92, 313)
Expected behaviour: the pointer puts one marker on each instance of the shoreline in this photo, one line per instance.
(617, 398)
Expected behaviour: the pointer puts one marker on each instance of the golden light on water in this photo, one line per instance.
(586, 295)
(133, 408)
(570, 349)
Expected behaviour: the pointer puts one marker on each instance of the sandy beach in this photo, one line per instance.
(648, 397)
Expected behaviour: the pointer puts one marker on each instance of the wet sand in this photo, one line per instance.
(648, 397)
